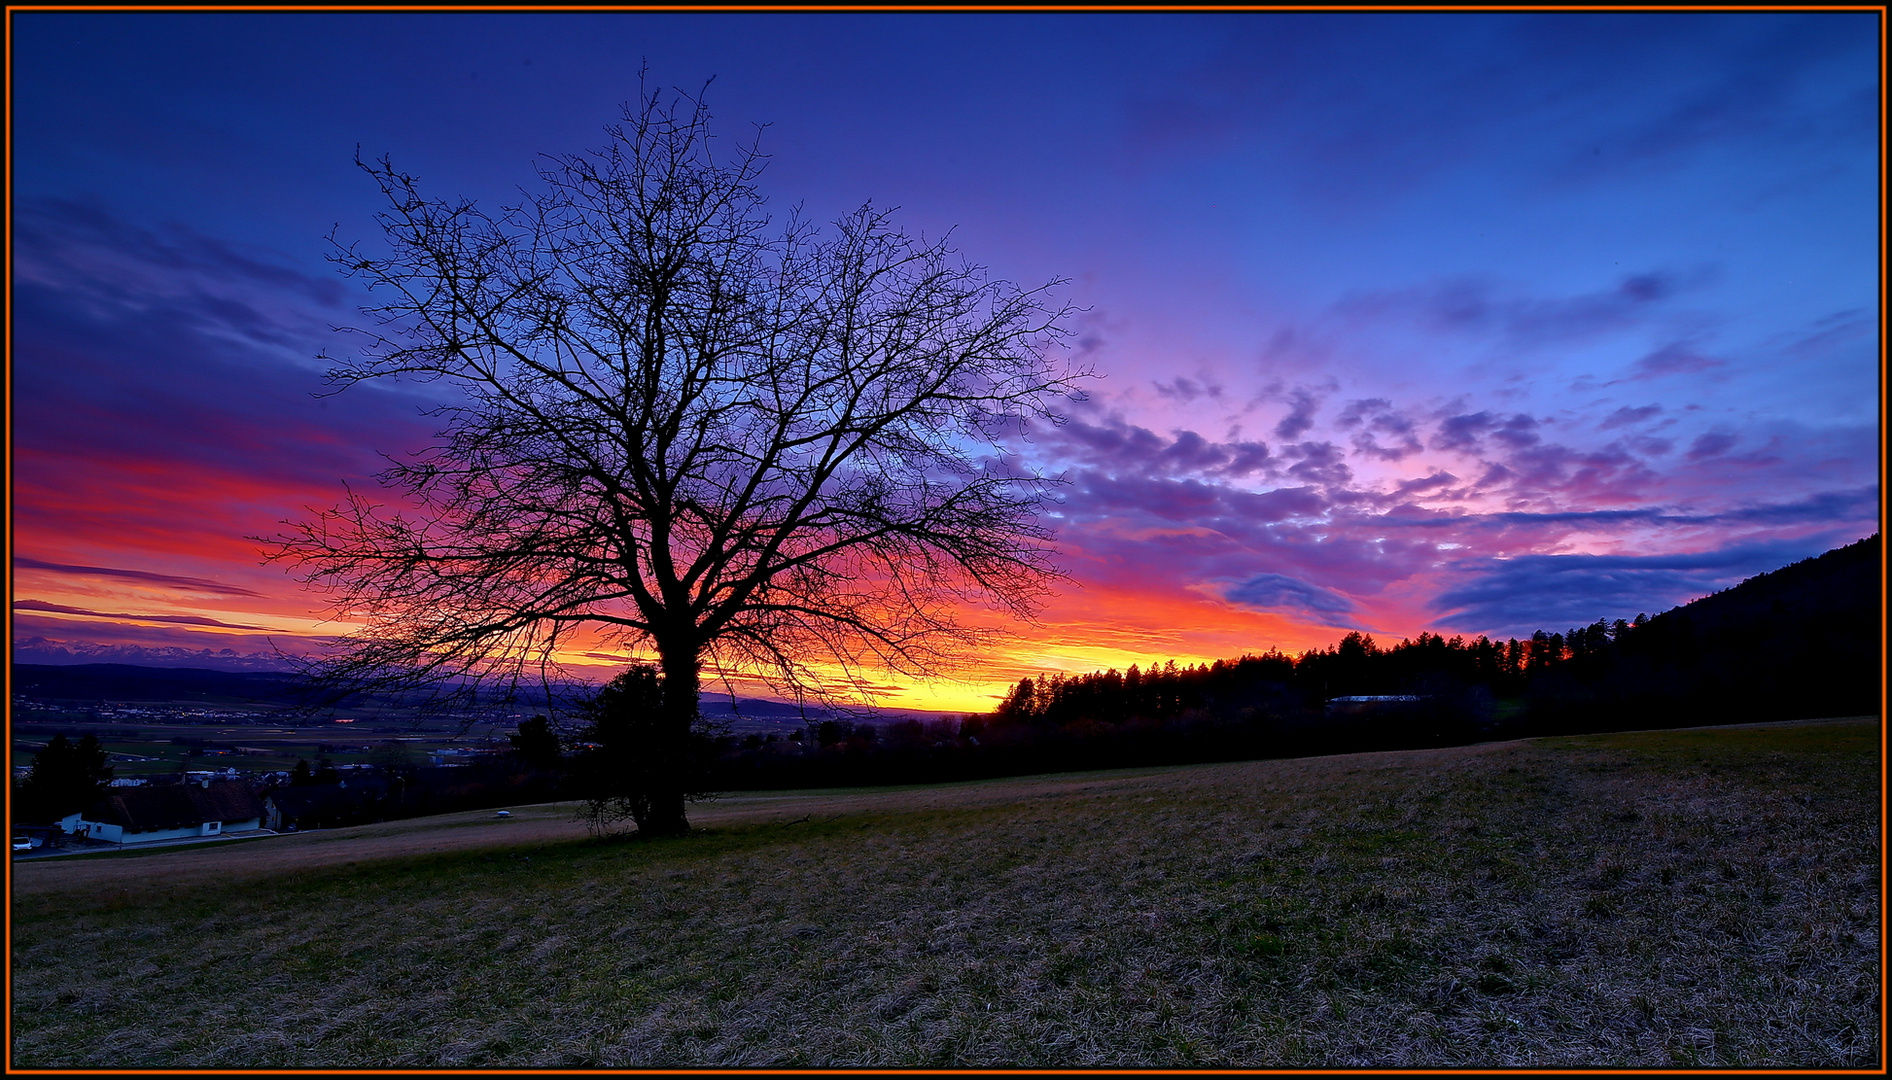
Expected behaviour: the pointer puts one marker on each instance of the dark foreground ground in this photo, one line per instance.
(1702, 897)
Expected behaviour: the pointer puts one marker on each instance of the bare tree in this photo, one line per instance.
(712, 436)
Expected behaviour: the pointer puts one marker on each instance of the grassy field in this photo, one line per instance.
(1705, 897)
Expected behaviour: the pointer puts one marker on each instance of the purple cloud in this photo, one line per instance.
(1357, 411)
(1320, 463)
(1300, 415)
(1520, 595)
(1117, 445)
(61, 632)
(189, 620)
(1471, 306)
(146, 577)
(55, 237)
(1607, 474)
(1675, 358)
(1858, 505)
(1518, 432)
(1420, 484)
(1463, 432)
(1626, 416)
(1833, 332)
(1186, 390)
(1711, 444)
(1374, 417)
(1279, 592)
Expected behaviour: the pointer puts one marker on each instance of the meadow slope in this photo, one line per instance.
(1678, 898)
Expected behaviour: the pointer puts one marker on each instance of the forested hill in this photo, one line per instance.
(1805, 640)
(1841, 587)
(134, 682)
(1800, 641)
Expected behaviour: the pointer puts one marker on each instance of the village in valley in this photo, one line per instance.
(191, 762)
(185, 773)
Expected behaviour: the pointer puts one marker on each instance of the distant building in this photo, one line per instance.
(200, 775)
(1377, 697)
(172, 812)
(1373, 704)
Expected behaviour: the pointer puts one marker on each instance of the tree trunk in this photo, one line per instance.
(664, 813)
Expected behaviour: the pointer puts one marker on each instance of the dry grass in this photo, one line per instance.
(1704, 897)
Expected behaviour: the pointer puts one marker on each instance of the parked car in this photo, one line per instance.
(26, 843)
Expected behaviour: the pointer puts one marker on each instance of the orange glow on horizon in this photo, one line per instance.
(1109, 616)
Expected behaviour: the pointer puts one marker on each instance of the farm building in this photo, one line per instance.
(1372, 704)
(172, 812)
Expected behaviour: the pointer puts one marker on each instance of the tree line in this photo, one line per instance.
(1798, 642)
(1802, 641)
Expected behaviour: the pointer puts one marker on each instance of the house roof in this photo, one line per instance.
(226, 801)
(174, 806)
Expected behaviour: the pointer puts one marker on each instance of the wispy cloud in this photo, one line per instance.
(1675, 358)
(1279, 592)
(1127, 447)
(1711, 444)
(142, 576)
(189, 620)
(1627, 417)
(1302, 407)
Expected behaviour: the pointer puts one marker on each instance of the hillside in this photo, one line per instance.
(1804, 640)
(1841, 584)
(1680, 899)
(133, 682)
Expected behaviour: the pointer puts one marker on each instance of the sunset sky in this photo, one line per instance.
(1453, 322)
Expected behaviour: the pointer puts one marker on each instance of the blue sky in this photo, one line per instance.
(1461, 322)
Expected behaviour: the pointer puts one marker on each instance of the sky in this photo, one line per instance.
(1450, 322)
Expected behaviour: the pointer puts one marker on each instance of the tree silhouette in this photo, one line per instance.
(536, 743)
(672, 421)
(66, 776)
(632, 760)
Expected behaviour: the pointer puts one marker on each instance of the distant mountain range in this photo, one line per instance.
(39, 650)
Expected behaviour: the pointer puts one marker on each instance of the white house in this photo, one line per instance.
(172, 812)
